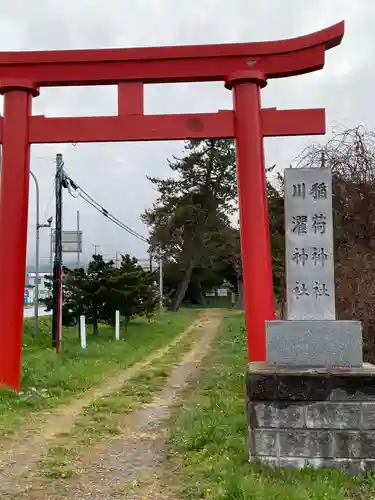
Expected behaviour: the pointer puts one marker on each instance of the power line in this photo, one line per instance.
(73, 187)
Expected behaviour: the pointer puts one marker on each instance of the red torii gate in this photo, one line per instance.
(244, 67)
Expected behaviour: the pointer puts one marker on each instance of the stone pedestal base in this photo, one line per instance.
(312, 417)
(314, 343)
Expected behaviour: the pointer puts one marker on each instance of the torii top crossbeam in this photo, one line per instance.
(130, 69)
(245, 68)
(194, 63)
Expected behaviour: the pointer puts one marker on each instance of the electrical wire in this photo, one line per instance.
(73, 186)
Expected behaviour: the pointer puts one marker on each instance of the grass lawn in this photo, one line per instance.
(208, 440)
(49, 379)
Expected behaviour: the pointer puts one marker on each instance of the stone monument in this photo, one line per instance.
(312, 403)
(311, 326)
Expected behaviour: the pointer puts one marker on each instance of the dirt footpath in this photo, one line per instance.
(130, 465)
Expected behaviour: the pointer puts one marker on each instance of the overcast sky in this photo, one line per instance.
(114, 174)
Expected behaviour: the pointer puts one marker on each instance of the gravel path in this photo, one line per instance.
(20, 454)
(130, 465)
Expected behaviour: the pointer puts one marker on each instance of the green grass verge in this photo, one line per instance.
(104, 417)
(208, 440)
(49, 379)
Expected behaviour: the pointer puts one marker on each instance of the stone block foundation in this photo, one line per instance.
(321, 417)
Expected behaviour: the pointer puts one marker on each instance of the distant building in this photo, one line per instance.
(223, 291)
(43, 290)
(29, 295)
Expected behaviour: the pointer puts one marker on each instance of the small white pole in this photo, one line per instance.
(117, 331)
(83, 331)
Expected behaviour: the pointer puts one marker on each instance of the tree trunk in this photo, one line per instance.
(182, 287)
(194, 293)
(239, 303)
(112, 321)
(79, 326)
(200, 295)
(282, 309)
(283, 299)
(95, 325)
(126, 323)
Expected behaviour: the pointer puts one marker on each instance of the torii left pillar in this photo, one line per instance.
(14, 201)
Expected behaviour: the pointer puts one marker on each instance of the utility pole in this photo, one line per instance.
(57, 268)
(96, 248)
(37, 246)
(79, 242)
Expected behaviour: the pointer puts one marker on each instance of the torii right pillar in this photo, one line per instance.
(254, 221)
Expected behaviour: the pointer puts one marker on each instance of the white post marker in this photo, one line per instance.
(117, 326)
(83, 331)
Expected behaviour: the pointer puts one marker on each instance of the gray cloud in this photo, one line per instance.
(114, 174)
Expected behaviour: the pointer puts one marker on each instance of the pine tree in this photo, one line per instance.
(86, 292)
(193, 207)
(130, 290)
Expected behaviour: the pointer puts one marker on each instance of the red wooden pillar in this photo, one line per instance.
(14, 200)
(255, 235)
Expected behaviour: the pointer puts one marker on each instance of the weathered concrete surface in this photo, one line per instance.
(314, 343)
(312, 417)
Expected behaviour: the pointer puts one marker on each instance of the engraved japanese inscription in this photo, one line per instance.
(309, 244)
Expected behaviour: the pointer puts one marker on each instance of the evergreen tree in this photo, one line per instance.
(86, 292)
(130, 290)
(102, 289)
(193, 207)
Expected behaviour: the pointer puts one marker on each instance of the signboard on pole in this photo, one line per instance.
(72, 241)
